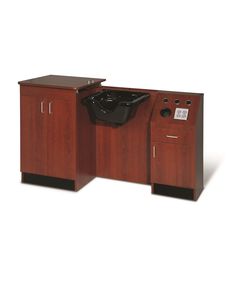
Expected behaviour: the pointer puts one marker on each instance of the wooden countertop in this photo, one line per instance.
(65, 82)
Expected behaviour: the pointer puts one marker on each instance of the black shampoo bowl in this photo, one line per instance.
(112, 106)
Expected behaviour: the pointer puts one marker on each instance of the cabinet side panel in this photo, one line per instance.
(199, 151)
(86, 142)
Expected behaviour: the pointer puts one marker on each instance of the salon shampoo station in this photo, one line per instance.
(74, 129)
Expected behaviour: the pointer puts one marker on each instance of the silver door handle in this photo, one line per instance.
(50, 108)
(42, 107)
(154, 151)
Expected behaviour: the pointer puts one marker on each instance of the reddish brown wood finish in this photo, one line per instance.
(161, 122)
(63, 143)
(48, 139)
(173, 165)
(61, 137)
(86, 142)
(178, 162)
(63, 82)
(199, 152)
(33, 133)
(123, 153)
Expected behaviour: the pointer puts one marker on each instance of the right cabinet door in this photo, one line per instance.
(172, 164)
(61, 135)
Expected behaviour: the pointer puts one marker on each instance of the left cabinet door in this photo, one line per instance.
(33, 133)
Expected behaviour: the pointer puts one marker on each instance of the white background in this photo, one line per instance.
(114, 231)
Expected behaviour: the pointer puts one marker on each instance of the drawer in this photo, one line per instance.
(172, 135)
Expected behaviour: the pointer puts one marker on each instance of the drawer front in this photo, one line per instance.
(172, 135)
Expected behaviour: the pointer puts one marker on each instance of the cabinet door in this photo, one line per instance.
(172, 164)
(33, 133)
(61, 136)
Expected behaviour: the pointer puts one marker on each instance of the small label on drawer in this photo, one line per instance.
(181, 114)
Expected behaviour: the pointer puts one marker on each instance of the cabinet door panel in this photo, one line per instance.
(172, 165)
(61, 137)
(33, 134)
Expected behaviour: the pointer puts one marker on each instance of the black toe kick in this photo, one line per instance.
(172, 191)
(48, 181)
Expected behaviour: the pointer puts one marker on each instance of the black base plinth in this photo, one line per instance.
(48, 181)
(172, 191)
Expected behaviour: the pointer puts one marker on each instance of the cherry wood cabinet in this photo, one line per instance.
(61, 146)
(53, 150)
(48, 132)
(177, 145)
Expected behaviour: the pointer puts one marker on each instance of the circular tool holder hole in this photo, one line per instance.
(166, 112)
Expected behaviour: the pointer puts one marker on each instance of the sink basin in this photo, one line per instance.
(113, 106)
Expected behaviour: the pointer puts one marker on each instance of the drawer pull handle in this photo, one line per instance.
(172, 137)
